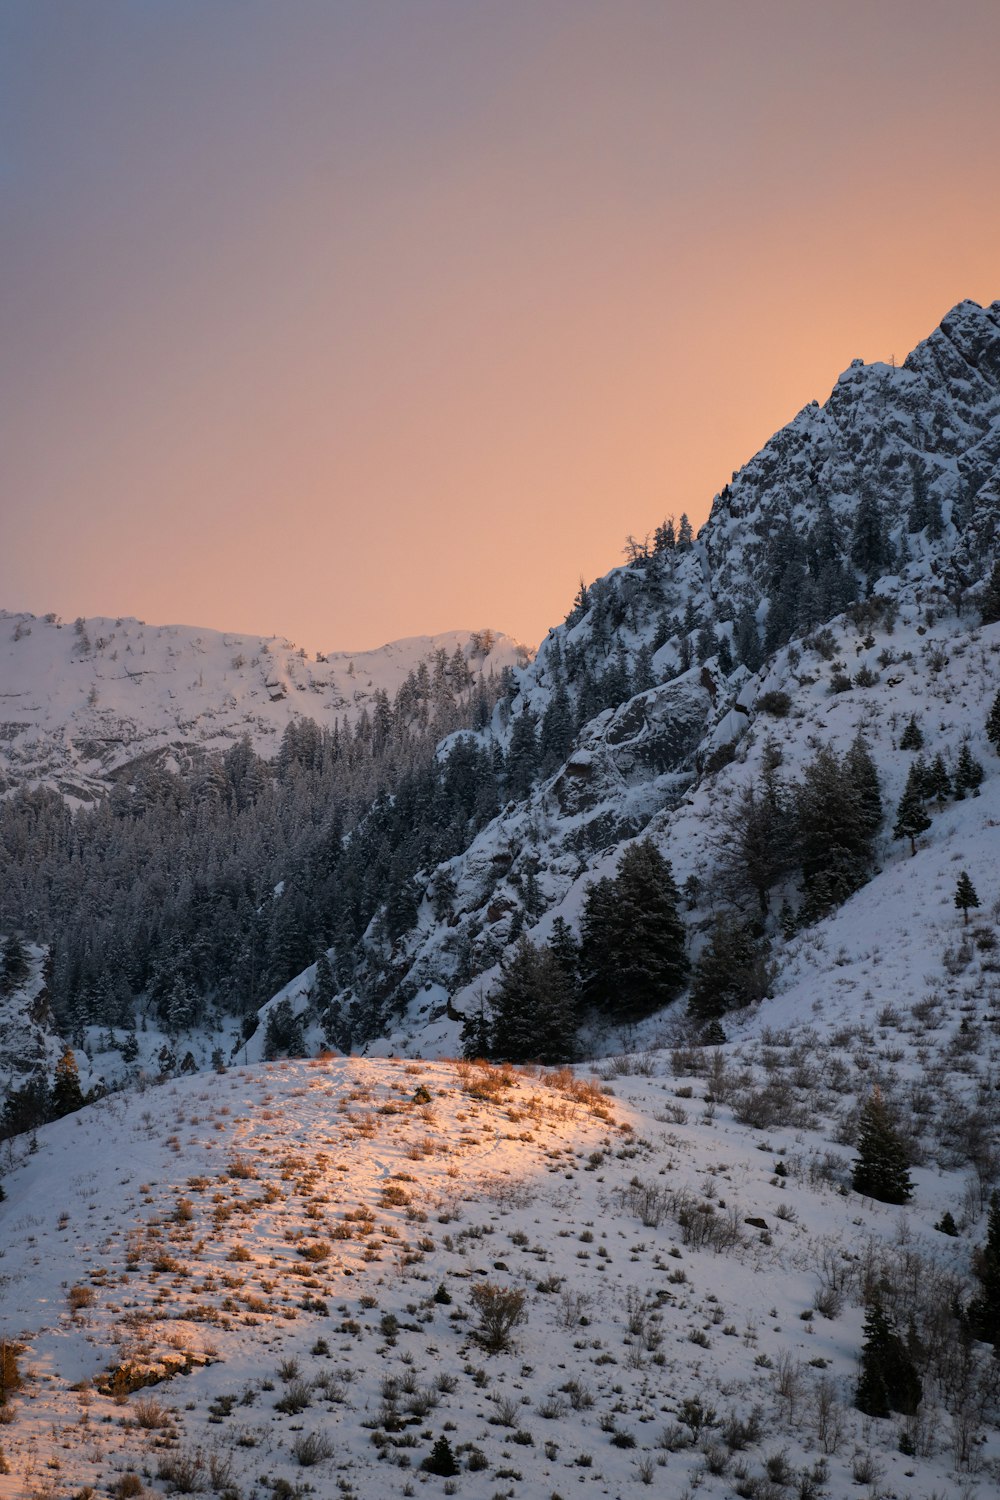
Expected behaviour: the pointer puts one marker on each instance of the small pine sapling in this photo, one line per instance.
(912, 737)
(966, 898)
(911, 817)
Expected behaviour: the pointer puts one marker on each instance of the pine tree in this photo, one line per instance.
(441, 1460)
(888, 1379)
(989, 600)
(632, 953)
(984, 1312)
(937, 782)
(993, 724)
(67, 1094)
(836, 805)
(15, 963)
(566, 951)
(911, 819)
(968, 773)
(522, 755)
(880, 1170)
(746, 638)
(869, 544)
(533, 1013)
(912, 737)
(965, 896)
(685, 535)
(731, 972)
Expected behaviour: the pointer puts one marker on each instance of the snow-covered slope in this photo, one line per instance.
(78, 701)
(892, 491)
(228, 1280)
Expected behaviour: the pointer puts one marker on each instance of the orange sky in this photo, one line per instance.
(350, 320)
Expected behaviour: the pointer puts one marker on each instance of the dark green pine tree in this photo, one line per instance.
(557, 730)
(966, 899)
(984, 1311)
(968, 773)
(911, 819)
(869, 544)
(533, 1010)
(835, 817)
(880, 1170)
(888, 1379)
(993, 724)
(522, 755)
(67, 1095)
(566, 950)
(746, 638)
(441, 1460)
(731, 972)
(477, 1033)
(632, 956)
(937, 782)
(863, 776)
(912, 737)
(989, 600)
(16, 967)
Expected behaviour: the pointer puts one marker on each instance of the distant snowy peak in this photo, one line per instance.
(80, 699)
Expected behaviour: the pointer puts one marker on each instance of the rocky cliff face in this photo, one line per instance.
(892, 488)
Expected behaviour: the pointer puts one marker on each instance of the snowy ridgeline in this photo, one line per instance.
(79, 700)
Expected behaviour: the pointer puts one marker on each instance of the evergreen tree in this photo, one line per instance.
(836, 805)
(863, 776)
(966, 899)
(725, 656)
(911, 819)
(283, 1035)
(16, 967)
(441, 1460)
(731, 972)
(869, 543)
(937, 782)
(632, 956)
(757, 848)
(685, 535)
(888, 1379)
(477, 1034)
(664, 537)
(993, 724)
(968, 773)
(746, 638)
(984, 1312)
(67, 1095)
(989, 600)
(912, 737)
(566, 951)
(533, 1015)
(522, 756)
(880, 1170)
(557, 730)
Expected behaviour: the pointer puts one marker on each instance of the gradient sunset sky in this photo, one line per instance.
(351, 321)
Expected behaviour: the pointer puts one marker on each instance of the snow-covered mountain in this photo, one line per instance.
(211, 1283)
(864, 529)
(80, 700)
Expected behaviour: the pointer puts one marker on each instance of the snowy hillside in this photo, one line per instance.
(78, 701)
(310, 1273)
(882, 505)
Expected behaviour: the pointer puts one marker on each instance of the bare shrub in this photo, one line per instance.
(312, 1448)
(499, 1309)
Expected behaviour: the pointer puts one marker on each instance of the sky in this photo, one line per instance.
(356, 319)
